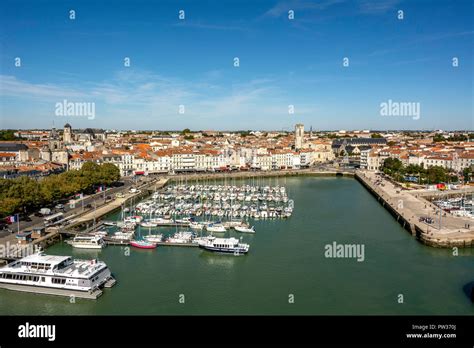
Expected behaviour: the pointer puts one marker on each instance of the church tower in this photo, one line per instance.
(67, 134)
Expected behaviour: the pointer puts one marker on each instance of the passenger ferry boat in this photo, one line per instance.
(87, 242)
(56, 275)
(223, 245)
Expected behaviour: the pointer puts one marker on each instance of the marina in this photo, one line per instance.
(201, 210)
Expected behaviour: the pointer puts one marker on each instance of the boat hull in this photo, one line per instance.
(223, 250)
(244, 230)
(143, 246)
(88, 246)
(43, 290)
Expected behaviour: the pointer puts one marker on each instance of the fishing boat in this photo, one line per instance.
(142, 244)
(244, 229)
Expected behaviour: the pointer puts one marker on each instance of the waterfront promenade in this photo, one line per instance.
(117, 203)
(409, 206)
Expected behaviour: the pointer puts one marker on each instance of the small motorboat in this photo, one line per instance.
(143, 244)
(216, 228)
(148, 224)
(196, 226)
(244, 229)
(154, 238)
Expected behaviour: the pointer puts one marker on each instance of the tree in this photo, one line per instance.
(109, 173)
(436, 174)
(392, 166)
(8, 135)
(376, 136)
(25, 194)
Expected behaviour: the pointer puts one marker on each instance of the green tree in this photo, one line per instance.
(109, 173)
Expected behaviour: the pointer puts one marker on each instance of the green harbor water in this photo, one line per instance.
(287, 257)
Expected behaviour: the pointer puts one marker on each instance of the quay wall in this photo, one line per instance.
(383, 199)
(250, 175)
(413, 226)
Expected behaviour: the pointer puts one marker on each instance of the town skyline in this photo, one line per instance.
(331, 64)
(288, 129)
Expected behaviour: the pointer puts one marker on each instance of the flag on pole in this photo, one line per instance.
(13, 218)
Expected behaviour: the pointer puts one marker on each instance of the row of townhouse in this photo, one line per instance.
(277, 159)
(144, 159)
(160, 162)
(456, 161)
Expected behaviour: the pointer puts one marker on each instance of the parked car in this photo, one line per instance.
(59, 206)
(425, 219)
(45, 211)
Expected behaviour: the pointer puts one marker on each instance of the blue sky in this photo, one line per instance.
(282, 62)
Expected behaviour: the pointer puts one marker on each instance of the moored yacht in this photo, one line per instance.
(56, 275)
(142, 244)
(154, 238)
(196, 226)
(216, 228)
(244, 229)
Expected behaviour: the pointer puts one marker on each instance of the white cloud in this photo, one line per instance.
(133, 96)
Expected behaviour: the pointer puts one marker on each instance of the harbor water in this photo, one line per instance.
(285, 271)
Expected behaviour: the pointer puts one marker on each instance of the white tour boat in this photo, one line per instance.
(223, 245)
(56, 275)
(87, 242)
